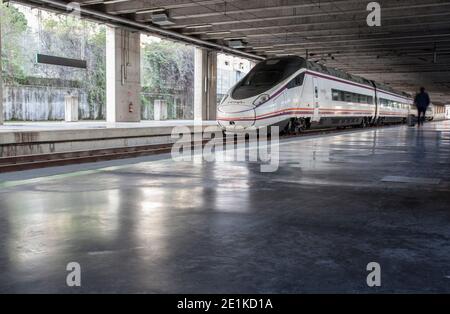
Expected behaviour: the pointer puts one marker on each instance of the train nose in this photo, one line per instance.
(236, 117)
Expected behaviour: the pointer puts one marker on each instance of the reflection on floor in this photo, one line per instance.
(221, 227)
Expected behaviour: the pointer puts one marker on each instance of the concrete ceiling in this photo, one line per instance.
(410, 49)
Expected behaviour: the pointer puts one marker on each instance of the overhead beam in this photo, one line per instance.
(356, 12)
(142, 5)
(318, 30)
(148, 28)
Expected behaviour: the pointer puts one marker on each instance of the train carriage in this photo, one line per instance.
(437, 112)
(392, 106)
(297, 94)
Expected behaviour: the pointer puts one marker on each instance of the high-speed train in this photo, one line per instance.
(296, 94)
(436, 112)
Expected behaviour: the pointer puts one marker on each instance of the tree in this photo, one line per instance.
(168, 73)
(73, 37)
(14, 26)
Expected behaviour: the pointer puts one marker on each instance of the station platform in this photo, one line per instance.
(28, 138)
(336, 203)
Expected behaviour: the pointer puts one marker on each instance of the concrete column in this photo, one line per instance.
(205, 93)
(211, 113)
(123, 77)
(199, 84)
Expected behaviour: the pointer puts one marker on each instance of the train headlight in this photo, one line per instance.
(261, 99)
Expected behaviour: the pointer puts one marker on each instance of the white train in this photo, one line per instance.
(436, 112)
(297, 94)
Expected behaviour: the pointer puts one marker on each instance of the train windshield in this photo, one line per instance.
(266, 75)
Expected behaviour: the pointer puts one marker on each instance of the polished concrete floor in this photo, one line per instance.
(336, 203)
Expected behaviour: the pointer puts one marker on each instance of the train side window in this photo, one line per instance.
(337, 95)
(348, 97)
(297, 81)
(291, 84)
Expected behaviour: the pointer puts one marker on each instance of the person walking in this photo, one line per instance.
(422, 102)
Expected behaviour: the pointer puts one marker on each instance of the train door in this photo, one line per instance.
(316, 117)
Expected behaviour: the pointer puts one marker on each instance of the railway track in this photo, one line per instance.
(19, 163)
(36, 161)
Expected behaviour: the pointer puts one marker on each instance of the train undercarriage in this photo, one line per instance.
(298, 125)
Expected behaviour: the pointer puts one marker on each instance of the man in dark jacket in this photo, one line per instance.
(422, 102)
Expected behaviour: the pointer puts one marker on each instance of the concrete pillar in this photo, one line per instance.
(212, 86)
(123, 77)
(205, 77)
(199, 84)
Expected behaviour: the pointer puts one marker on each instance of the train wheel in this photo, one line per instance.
(292, 126)
(288, 128)
(301, 125)
(295, 126)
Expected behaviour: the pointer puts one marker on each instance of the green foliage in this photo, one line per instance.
(14, 24)
(60, 35)
(167, 67)
(64, 35)
(168, 73)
